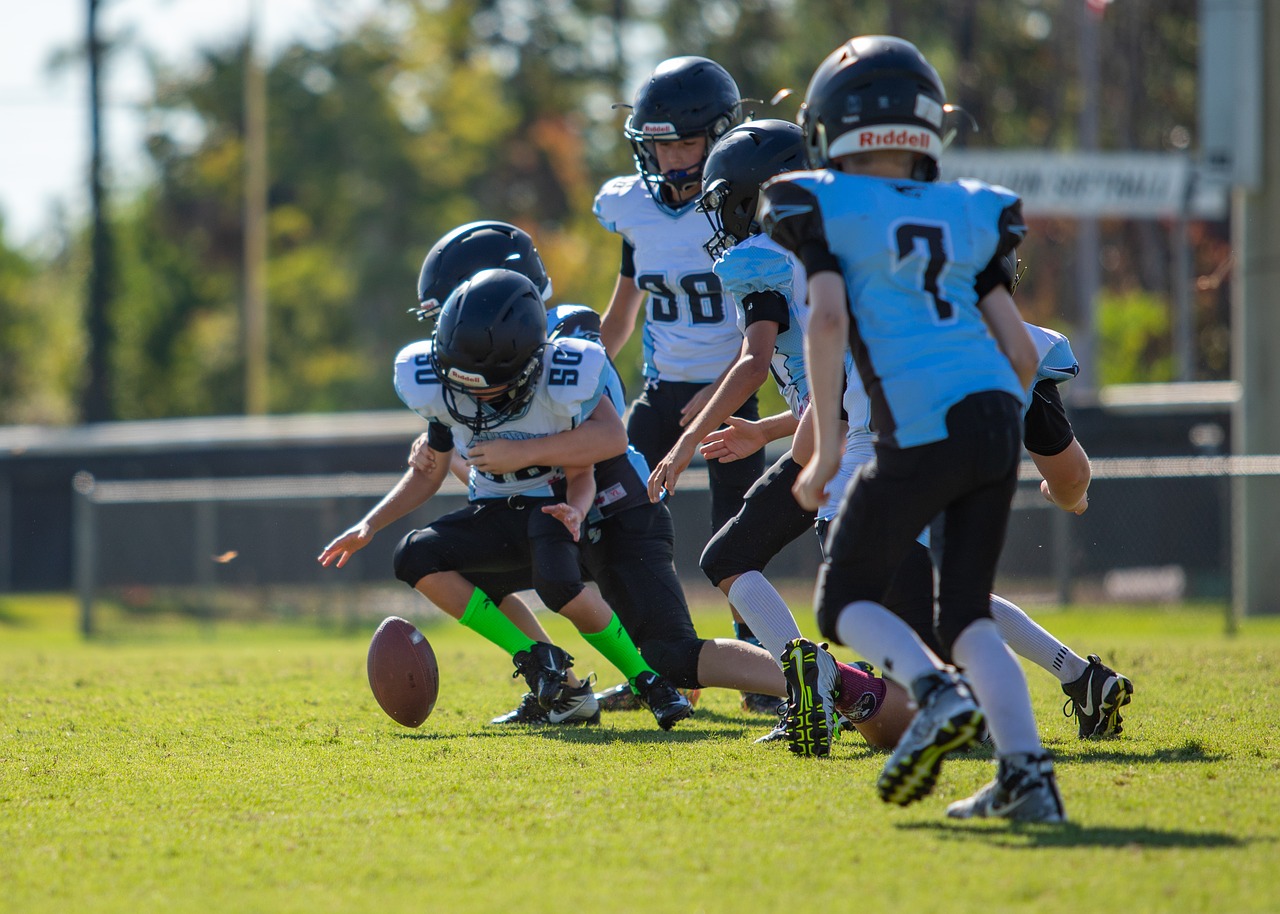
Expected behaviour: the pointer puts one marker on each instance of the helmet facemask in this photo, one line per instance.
(500, 404)
(732, 216)
(487, 348)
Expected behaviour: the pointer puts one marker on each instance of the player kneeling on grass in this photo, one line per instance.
(489, 372)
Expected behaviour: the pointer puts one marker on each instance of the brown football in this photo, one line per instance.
(403, 672)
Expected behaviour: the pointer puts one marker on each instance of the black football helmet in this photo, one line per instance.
(746, 157)
(875, 92)
(683, 97)
(473, 247)
(487, 347)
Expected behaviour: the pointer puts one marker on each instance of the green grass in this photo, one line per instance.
(250, 770)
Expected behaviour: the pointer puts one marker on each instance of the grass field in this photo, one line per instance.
(250, 770)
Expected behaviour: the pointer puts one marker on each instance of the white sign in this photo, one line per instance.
(1135, 185)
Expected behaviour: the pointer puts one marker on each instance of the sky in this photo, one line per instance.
(44, 120)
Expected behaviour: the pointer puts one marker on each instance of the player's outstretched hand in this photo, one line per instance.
(346, 545)
(667, 473)
(568, 515)
(739, 438)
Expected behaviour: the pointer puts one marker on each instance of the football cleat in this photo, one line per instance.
(543, 667)
(948, 719)
(1096, 699)
(527, 712)
(1025, 790)
(813, 684)
(619, 698)
(663, 700)
(779, 731)
(622, 698)
(576, 705)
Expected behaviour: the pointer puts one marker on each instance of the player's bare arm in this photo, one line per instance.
(580, 492)
(743, 437)
(424, 457)
(1066, 478)
(1004, 321)
(824, 348)
(620, 317)
(601, 436)
(413, 490)
(731, 390)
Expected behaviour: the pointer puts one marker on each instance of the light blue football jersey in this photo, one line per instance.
(689, 329)
(757, 264)
(910, 253)
(568, 389)
(1056, 360)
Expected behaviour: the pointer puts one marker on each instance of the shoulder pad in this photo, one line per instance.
(791, 215)
(1056, 360)
(609, 202)
(574, 375)
(417, 384)
(756, 266)
(573, 321)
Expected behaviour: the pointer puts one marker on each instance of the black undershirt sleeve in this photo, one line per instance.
(439, 437)
(767, 305)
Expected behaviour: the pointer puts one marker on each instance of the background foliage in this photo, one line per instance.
(437, 112)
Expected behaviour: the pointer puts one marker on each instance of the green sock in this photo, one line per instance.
(618, 648)
(486, 620)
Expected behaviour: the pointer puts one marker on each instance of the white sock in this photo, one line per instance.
(764, 610)
(1000, 687)
(1035, 643)
(888, 642)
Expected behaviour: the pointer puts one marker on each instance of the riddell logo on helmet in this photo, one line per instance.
(467, 379)
(896, 139)
(661, 128)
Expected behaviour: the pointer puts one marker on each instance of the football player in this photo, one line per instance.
(910, 275)
(768, 286)
(679, 113)
(489, 372)
(628, 547)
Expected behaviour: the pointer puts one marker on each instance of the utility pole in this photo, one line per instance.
(96, 402)
(1088, 273)
(1255, 232)
(254, 312)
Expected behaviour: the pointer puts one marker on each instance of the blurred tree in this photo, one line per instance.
(42, 341)
(438, 112)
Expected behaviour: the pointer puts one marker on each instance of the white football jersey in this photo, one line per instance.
(569, 387)
(689, 329)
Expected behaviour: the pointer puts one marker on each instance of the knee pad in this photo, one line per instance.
(676, 660)
(557, 594)
(414, 558)
(719, 560)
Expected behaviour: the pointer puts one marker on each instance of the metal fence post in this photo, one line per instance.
(86, 547)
